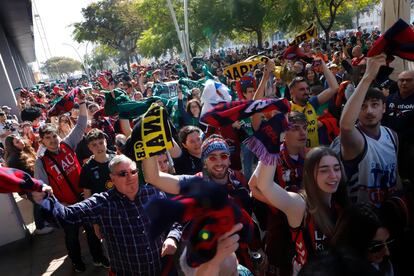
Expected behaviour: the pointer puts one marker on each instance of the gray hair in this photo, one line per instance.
(118, 159)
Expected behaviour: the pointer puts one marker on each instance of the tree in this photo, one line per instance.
(248, 16)
(325, 11)
(161, 36)
(210, 22)
(295, 15)
(100, 56)
(325, 20)
(290, 16)
(113, 23)
(60, 66)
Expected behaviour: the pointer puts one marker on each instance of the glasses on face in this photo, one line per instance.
(405, 80)
(223, 157)
(126, 173)
(378, 246)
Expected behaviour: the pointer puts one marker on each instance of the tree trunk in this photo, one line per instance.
(259, 34)
(128, 63)
(328, 47)
(192, 52)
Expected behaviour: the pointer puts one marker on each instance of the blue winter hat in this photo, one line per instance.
(213, 144)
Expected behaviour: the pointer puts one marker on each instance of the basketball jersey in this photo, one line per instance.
(375, 177)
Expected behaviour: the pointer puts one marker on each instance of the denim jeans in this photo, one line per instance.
(37, 213)
(73, 245)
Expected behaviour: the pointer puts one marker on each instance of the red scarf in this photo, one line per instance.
(289, 172)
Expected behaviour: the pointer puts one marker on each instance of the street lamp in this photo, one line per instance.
(81, 59)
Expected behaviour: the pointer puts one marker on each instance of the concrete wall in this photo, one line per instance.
(12, 225)
(14, 72)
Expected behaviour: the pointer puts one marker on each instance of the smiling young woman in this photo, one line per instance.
(312, 213)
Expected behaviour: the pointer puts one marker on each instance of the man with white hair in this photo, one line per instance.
(123, 222)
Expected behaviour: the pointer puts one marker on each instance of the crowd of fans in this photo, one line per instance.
(337, 201)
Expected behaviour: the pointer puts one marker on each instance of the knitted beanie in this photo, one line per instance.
(210, 145)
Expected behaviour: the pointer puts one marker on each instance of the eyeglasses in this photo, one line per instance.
(126, 173)
(223, 157)
(378, 246)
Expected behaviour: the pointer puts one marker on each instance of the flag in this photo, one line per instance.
(227, 113)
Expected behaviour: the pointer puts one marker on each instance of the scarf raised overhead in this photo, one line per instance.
(151, 135)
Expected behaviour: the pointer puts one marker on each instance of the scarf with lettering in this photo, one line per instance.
(227, 113)
(151, 135)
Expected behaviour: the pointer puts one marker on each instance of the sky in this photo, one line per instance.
(56, 17)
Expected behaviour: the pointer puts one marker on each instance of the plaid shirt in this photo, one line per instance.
(125, 226)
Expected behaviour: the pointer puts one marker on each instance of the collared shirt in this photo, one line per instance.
(125, 227)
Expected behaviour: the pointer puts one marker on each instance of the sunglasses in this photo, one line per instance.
(378, 246)
(126, 173)
(223, 157)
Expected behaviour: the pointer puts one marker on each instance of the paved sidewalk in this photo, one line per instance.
(42, 254)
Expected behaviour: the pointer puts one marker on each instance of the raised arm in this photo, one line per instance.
(76, 135)
(259, 94)
(292, 204)
(86, 211)
(256, 193)
(125, 127)
(163, 181)
(352, 141)
(328, 93)
(175, 151)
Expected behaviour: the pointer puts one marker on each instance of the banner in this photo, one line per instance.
(165, 89)
(308, 34)
(238, 70)
(260, 58)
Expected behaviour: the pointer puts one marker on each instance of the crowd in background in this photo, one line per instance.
(338, 201)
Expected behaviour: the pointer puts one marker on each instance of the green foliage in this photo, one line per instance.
(211, 22)
(149, 44)
(289, 16)
(325, 11)
(161, 35)
(146, 27)
(248, 16)
(59, 66)
(208, 22)
(294, 15)
(99, 56)
(113, 23)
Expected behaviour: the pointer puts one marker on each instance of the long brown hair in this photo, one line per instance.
(27, 156)
(189, 106)
(316, 205)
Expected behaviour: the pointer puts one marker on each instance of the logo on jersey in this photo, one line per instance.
(109, 185)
